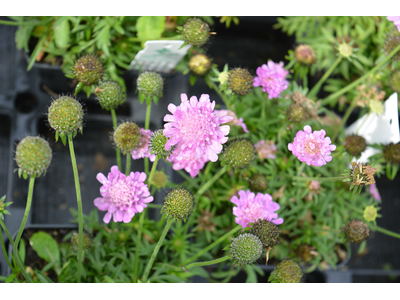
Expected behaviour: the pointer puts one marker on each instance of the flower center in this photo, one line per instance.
(195, 126)
(121, 193)
(312, 147)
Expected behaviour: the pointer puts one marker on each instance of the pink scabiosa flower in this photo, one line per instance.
(235, 121)
(272, 78)
(265, 149)
(143, 149)
(312, 147)
(374, 192)
(122, 196)
(395, 20)
(195, 130)
(251, 208)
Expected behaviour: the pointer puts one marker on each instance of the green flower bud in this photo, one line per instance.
(258, 183)
(305, 55)
(127, 137)
(157, 144)
(87, 241)
(110, 95)
(391, 153)
(355, 145)
(89, 69)
(65, 115)
(246, 249)
(239, 153)
(240, 81)
(159, 179)
(178, 204)
(287, 271)
(199, 64)
(395, 81)
(195, 32)
(356, 231)
(267, 232)
(345, 50)
(370, 213)
(392, 41)
(296, 113)
(150, 84)
(33, 156)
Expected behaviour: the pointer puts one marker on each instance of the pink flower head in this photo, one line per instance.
(235, 121)
(272, 78)
(143, 149)
(195, 130)
(374, 192)
(123, 196)
(251, 208)
(395, 20)
(265, 149)
(312, 147)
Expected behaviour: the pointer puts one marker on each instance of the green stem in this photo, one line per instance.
(337, 94)
(300, 178)
(211, 181)
(209, 247)
(290, 64)
(153, 170)
(207, 263)
(3, 247)
(21, 229)
(314, 91)
(128, 164)
(385, 231)
(146, 126)
(118, 152)
(15, 23)
(150, 205)
(301, 168)
(263, 110)
(156, 249)
(80, 211)
(221, 94)
(345, 118)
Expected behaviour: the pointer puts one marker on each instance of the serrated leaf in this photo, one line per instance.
(46, 247)
(150, 27)
(61, 32)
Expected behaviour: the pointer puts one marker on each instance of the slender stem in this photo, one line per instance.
(80, 211)
(290, 64)
(263, 110)
(209, 247)
(3, 247)
(156, 249)
(206, 172)
(146, 126)
(314, 91)
(207, 263)
(221, 94)
(153, 170)
(118, 152)
(345, 118)
(300, 178)
(150, 205)
(210, 182)
(128, 163)
(300, 170)
(355, 83)
(385, 231)
(21, 229)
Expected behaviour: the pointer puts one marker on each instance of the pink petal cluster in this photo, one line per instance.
(143, 149)
(395, 20)
(122, 196)
(312, 147)
(251, 208)
(265, 149)
(235, 121)
(374, 192)
(195, 130)
(272, 78)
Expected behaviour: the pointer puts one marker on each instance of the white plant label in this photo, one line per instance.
(378, 129)
(160, 56)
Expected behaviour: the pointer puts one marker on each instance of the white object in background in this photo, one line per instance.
(160, 56)
(378, 129)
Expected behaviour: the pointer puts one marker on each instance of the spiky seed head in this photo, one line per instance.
(199, 64)
(356, 231)
(395, 81)
(267, 232)
(65, 115)
(296, 113)
(392, 41)
(33, 156)
(362, 174)
(196, 32)
(355, 145)
(391, 153)
(246, 249)
(240, 81)
(258, 183)
(88, 69)
(305, 55)
(110, 95)
(239, 153)
(179, 203)
(157, 144)
(150, 84)
(87, 241)
(287, 271)
(306, 252)
(127, 137)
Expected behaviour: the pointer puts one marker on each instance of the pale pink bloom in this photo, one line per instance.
(272, 78)
(251, 208)
(122, 196)
(374, 192)
(312, 147)
(265, 149)
(235, 121)
(195, 130)
(395, 20)
(143, 149)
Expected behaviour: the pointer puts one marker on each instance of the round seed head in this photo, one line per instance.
(267, 232)
(65, 115)
(110, 95)
(395, 81)
(356, 231)
(296, 113)
(391, 153)
(305, 55)
(240, 81)
(150, 84)
(127, 137)
(355, 145)
(392, 41)
(89, 69)
(287, 271)
(157, 144)
(239, 153)
(258, 183)
(195, 32)
(246, 249)
(199, 64)
(179, 204)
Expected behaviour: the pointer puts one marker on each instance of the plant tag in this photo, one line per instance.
(378, 129)
(160, 56)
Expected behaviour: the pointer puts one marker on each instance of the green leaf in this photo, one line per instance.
(362, 247)
(148, 100)
(155, 99)
(141, 98)
(22, 251)
(63, 138)
(192, 79)
(46, 247)
(19, 172)
(36, 51)
(150, 27)
(25, 176)
(103, 39)
(109, 279)
(61, 32)
(43, 278)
